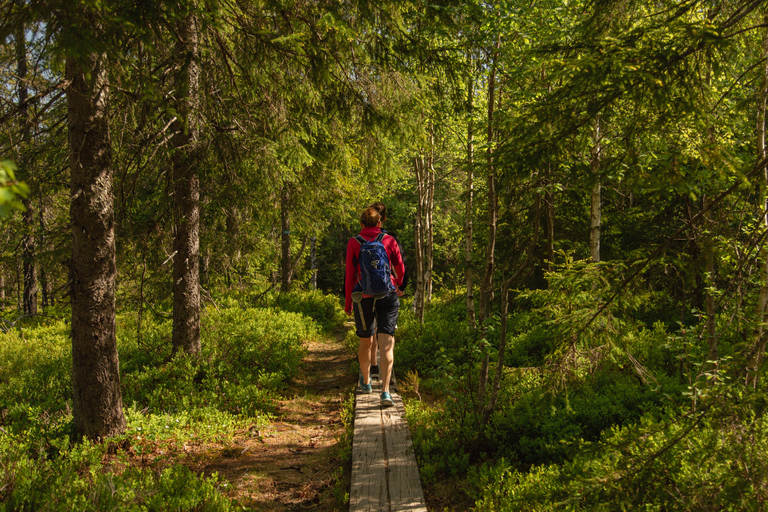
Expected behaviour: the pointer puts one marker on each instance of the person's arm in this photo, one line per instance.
(396, 262)
(404, 275)
(350, 273)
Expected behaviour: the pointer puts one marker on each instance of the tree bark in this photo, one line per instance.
(97, 399)
(186, 201)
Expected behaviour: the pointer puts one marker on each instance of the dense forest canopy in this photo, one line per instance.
(579, 186)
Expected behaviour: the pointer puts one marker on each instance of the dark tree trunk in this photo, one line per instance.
(28, 244)
(97, 400)
(186, 196)
(313, 261)
(28, 255)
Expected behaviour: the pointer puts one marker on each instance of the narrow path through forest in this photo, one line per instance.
(293, 463)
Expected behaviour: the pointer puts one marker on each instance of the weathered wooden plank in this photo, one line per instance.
(369, 479)
(385, 476)
(405, 492)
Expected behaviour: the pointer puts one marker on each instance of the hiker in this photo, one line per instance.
(383, 306)
(382, 209)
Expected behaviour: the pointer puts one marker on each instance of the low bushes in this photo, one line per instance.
(169, 400)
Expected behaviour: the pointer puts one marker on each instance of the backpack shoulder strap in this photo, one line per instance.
(360, 239)
(380, 237)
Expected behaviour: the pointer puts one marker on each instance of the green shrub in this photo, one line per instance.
(325, 310)
(36, 367)
(692, 461)
(65, 477)
(439, 443)
(246, 355)
(444, 328)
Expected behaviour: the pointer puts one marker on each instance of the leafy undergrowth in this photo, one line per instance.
(244, 425)
(632, 418)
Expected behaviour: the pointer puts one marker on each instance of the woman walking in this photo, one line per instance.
(366, 308)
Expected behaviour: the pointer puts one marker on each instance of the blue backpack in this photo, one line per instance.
(375, 279)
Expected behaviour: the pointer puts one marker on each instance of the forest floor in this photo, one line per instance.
(302, 459)
(297, 461)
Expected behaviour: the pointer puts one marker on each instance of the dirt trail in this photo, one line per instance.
(293, 463)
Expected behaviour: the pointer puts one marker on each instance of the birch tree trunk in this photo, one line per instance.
(186, 263)
(429, 203)
(595, 218)
(419, 165)
(97, 399)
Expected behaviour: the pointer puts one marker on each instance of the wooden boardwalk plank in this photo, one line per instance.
(385, 476)
(369, 477)
(405, 491)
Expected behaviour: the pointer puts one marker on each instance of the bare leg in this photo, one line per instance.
(387, 358)
(363, 357)
(373, 352)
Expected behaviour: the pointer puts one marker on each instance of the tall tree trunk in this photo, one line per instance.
(419, 164)
(469, 205)
(45, 285)
(709, 248)
(486, 287)
(313, 260)
(506, 286)
(97, 399)
(285, 225)
(709, 269)
(19, 284)
(423, 231)
(186, 191)
(429, 234)
(755, 358)
(549, 201)
(29, 246)
(28, 256)
(595, 218)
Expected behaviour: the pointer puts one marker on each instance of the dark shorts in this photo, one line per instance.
(384, 311)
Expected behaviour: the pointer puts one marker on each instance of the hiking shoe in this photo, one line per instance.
(374, 371)
(386, 400)
(365, 388)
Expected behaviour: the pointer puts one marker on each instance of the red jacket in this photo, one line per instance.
(352, 274)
